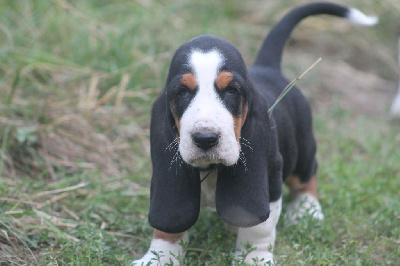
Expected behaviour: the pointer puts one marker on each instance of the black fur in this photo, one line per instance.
(279, 146)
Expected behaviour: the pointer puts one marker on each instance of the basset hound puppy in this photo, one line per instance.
(214, 140)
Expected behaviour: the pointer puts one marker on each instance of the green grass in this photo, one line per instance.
(77, 80)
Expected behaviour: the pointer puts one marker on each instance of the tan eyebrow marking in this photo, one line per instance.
(189, 80)
(223, 79)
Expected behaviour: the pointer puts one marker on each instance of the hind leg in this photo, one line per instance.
(305, 199)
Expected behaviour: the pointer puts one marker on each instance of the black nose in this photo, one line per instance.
(206, 140)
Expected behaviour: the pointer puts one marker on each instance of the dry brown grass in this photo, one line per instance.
(76, 135)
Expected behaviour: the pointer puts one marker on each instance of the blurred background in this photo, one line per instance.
(77, 81)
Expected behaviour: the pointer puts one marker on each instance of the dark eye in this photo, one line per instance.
(231, 90)
(184, 92)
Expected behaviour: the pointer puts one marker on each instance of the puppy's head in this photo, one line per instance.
(207, 95)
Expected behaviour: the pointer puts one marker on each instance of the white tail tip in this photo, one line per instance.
(358, 17)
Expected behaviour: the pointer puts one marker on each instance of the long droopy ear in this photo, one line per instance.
(175, 185)
(242, 197)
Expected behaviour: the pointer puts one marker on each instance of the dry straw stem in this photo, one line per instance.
(287, 89)
(60, 190)
(118, 102)
(28, 199)
(55, 222)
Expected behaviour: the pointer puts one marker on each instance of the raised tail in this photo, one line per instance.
(271, 51)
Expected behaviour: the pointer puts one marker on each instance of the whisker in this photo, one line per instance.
(246, 143)
(242, 158)
(248, 146)
(175, 159)
(172, 145)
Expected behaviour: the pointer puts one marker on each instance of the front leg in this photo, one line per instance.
(164, 249)
(261, 237)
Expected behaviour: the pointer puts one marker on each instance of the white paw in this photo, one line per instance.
(162, 252)
(302, 205)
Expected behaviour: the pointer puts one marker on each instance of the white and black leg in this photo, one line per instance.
(164, 249)
(305, 199)
(261, 237)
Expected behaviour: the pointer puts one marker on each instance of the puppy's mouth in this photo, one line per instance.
(208, 168)
(205, 162)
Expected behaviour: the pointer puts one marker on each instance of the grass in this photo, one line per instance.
(77, 79)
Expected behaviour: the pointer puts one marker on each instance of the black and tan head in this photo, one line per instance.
(207, 94)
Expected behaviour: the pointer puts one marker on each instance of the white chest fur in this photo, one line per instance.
(208, 187)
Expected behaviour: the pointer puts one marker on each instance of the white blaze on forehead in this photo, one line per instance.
(206, 65)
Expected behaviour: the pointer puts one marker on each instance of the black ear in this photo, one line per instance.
(242, 196)
(175, 185)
